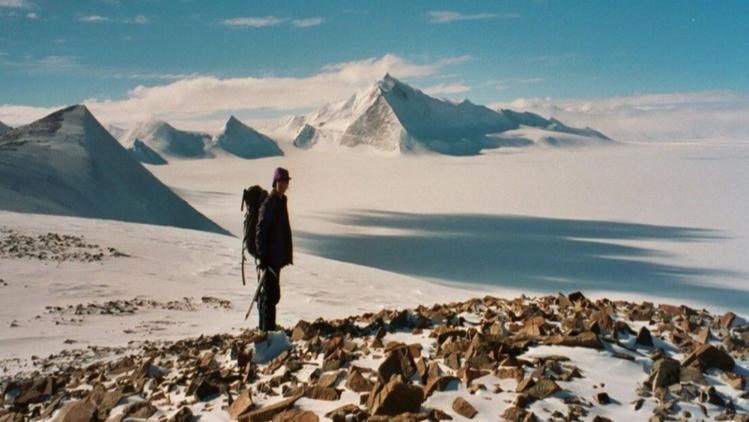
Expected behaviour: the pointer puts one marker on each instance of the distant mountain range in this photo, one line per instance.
(156, 141)
(68, 164)
(393, 116)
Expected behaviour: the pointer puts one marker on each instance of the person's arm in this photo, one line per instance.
(262, 236)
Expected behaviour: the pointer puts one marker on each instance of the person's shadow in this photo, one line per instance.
(520, 252)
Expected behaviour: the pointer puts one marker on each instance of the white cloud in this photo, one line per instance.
(456, 60)
(32, 16)
(255, 22)
(16, 4)
(652, 117)
(307, 22)
(447, 89)
(155, 76)
(447, 16)
(16, 115)
(33, 64)
(138, 20)
(94, 19)
(196, 100)
(58, 62)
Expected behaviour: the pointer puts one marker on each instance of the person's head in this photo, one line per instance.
(281, 180)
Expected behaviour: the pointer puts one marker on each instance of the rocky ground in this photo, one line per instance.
(52, 247)
(466, 360)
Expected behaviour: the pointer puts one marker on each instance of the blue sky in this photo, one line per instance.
(62, 52)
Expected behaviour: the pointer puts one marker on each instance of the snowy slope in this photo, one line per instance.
(67, 163)
(4, 128)
(116, 131)
(167, 140)
(143, 153)
(245, 142)
(393, 116)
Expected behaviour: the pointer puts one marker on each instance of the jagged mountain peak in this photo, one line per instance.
(245, 142)
(67, 163)
(392, 115)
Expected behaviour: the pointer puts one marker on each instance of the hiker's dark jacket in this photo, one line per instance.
(273, 238)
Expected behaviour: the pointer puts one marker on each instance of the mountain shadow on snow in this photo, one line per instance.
(68, 164)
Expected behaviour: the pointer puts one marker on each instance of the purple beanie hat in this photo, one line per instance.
(280, 174)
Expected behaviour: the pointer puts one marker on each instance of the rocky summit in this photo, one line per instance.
(471, 359)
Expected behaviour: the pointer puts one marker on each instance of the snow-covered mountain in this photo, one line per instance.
(143, 153)
(245, 142)
(393, 116)
(166, 140)
(4, 128)
(116, 131)
(68, 164)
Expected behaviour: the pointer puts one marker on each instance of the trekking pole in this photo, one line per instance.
(243, 261)
(260, 283)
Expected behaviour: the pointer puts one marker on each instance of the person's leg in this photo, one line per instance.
(272, 283)
(261, 310)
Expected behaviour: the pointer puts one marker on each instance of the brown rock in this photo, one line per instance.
(735, 381)
(691, 374)
(453, 361)
(576, 296)
(542, 389)
(36, 392)
(727, 319)
(140, 410)
(563, 302)
(398, 362)
(463, 408)
(77, 411)
(335, 360)
(328, 379)
(514, 414)
(534, 327)
(524, 384)
(318, 392)
(11, 416)
(666, 372)
(603, 398)
(421, 368)
(395, 397)
(266, 413)
(184, 414)
(703, 335)
(509, 373)
(439, 384)
(438, 415)
(468, 374)
(356, 382)
(203, 388)
(340, 413)
(303, 330)
(241, 404)
(709, 356)
(644, 338)
(585, 339)
(296, 415)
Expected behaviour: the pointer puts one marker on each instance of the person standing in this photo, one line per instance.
(274, 247)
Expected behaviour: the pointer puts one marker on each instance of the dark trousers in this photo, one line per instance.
(269, 297)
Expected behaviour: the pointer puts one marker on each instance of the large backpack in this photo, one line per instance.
(252, 199)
